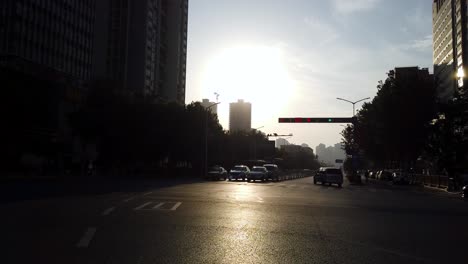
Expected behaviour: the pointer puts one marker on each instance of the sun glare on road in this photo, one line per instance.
(243, 192)
(256, 74)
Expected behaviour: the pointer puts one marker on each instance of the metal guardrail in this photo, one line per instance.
(440, 181)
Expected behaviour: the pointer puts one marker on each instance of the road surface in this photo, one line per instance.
(237, 222)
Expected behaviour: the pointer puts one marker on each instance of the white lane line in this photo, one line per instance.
(87, 237)
(259, 199)
(108, 211)
(148, 193)
(175, 206)
(141, 206)
(158, 205)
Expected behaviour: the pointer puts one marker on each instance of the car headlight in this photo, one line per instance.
(464, 188)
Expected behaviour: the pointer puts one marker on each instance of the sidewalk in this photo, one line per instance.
(416, 187)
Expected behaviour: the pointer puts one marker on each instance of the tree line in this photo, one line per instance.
(137, 136)
(406, 127)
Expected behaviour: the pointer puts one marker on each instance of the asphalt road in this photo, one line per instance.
(237, 222)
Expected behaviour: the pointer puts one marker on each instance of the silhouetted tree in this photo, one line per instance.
(393, 128)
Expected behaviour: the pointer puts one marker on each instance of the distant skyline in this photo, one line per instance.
(293, 58)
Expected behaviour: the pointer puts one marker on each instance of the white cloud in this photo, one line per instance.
(323, 32)
(422, 45)
(351, 6)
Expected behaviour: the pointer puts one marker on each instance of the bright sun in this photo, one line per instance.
(256, 74)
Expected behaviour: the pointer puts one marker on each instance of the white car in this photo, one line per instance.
(329, 175)
(239, 172)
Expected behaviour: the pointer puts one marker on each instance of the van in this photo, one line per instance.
(329, 175)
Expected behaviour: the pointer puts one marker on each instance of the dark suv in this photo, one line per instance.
(273, 172)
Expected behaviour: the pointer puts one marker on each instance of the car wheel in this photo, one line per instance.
(315, 182)
(340, 185)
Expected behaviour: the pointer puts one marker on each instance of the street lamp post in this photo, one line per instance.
(354, 159)
(205, 169)
(353, 103)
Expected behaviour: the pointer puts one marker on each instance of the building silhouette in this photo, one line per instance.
(47, 36)
(449, 27)
(206, 103)
(407, 74)
(330, 154)
(52, 52)
(280, 142)
(142, 46)
(240, 116)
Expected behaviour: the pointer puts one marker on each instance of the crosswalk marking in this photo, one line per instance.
(141, 206)
(87, 237)
(175, 206)
(158, 206)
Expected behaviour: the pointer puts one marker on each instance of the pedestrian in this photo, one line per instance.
(90, 168)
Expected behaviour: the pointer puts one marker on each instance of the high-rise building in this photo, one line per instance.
(240, 116)
(50, 35)
(280, 142)
(405, 74)
(330, 154)
(213, 106)
(142, 45)
(449, 27)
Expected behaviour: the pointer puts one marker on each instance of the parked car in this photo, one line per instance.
(273, 172)
(216, 173)
(399, 177)
(239, 172)
(384, 175)
(258, 173)
(329, 175)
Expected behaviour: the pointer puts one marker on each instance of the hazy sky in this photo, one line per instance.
(293, 58)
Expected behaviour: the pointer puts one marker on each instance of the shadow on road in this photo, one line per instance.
(20, 190)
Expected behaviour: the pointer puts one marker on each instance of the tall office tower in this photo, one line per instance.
(240, 116)
(141, 46)
(56, 35)
(212, 105)
(449, 27)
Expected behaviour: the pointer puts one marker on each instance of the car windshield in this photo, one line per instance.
(239, 168)
(333, 171)
(258, 169)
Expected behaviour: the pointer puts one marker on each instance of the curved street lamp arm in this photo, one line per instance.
(362, 100)
(345, 100)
